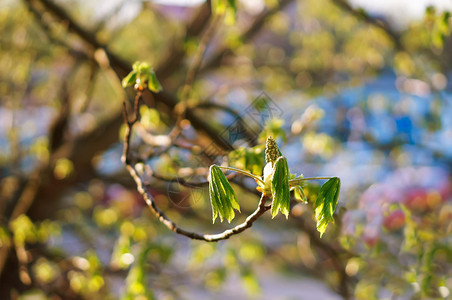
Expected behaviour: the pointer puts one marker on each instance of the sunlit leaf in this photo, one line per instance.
(129, 79)
(299, 194)
(136, 65)
(222, 196)
(153, 83)
(142, 75)
(143, 68)
(326, 203)
(280, 188)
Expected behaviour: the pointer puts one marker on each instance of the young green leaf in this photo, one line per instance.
(326, 203)
(142, 76)
(136, 65)
(143, 67)
(280, 188)
(299, 194)
(129, 79)
(153, 83)
(222, 196)
(266, 186)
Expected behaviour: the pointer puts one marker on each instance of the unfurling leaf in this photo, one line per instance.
(222, 196)
(280, 188)
(142, 76)
(326, 203)
(266, 186)
(153, 83)
(136, 65)
(129, 79)
(299, 194)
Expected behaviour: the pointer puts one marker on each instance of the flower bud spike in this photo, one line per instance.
(271, 151)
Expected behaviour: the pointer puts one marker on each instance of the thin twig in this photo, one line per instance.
(197, 59)
(122, 67)
(257, 178)
(130, 123)
(300, 180)
(260, 210)
(53, 38)
(185, 182)
(88, 95)
(177, 53)
(191, 74)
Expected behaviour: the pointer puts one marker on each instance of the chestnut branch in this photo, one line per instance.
(161, 216)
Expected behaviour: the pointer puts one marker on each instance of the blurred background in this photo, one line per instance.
(355, 89)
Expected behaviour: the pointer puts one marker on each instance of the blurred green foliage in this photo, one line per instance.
(102, 243)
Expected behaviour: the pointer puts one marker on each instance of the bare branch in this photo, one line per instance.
(261, 209)
(191, 73)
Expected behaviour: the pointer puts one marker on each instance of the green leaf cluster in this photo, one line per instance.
(277, 182)
(326, 203)
(222, 195)
(142, 76)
